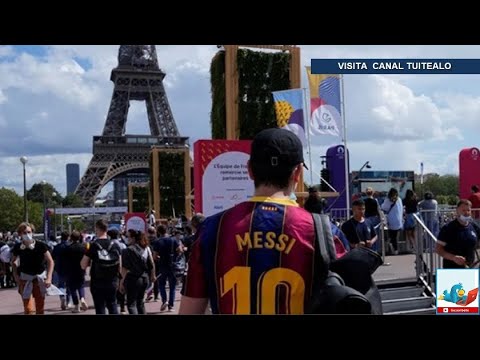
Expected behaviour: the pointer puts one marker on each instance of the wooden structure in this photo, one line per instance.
(324, 194)
(231, 81)
(155, 169)
(232, 91)
(131, 186)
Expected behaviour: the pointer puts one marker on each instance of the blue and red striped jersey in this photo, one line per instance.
(255, 258)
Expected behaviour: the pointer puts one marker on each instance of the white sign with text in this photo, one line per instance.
(226, 182)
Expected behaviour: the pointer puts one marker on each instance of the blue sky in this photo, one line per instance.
(53, 99)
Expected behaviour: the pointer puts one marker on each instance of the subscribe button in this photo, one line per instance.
(456, 310)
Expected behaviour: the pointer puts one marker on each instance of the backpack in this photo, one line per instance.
(177, 261)
(107, 262)
(5, 254)
(345, 285)
(142, 266)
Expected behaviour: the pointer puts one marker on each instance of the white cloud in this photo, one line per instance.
(60, 77)
(43, 115)
(51, 168)
(6, 50)
(3, 98)
(378, 107)
(58, 101)
(461, 109)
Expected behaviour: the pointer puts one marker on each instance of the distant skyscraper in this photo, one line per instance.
(73, 177)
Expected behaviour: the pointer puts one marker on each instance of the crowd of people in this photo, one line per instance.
(121, 267)
(259, 257)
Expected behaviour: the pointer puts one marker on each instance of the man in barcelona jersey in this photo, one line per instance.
(257, 257)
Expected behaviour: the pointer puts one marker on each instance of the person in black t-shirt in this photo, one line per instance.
(138, 270)
(166, 250)
(104, 270)
(314, 204)
(459, 238)
(28, 263)
(75, 275)
(358, 230)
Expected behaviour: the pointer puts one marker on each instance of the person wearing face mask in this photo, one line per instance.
(28, 263)
(241, 254)
(458, 239)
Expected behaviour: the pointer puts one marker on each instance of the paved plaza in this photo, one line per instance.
(401, 267)
(11, 304)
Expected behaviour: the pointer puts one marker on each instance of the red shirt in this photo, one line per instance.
(475, 200)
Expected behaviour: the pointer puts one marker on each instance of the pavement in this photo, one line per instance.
(400, 267)
(11, 304)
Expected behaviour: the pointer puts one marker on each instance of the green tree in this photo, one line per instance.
(453, 199)
(36, 194)
(442, 199)
(11, 209)
(446, 185)
(35, 215)
(78, 225)
(140, 199)
(72, 200)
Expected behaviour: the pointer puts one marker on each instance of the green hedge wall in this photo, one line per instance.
(172, 180)
(260, 73)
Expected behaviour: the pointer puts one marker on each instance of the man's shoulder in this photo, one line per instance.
(104, 243)
(16, 247)
(41, 245)
(475, 227)
(213, 220)
(474, 198)
(76, 246)
(335, 229)
(451, 226)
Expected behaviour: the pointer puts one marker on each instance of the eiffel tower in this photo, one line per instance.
(137, 77)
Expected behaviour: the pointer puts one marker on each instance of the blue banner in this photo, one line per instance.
(396, 66)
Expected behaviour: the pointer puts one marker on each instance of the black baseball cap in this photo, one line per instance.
(277, 149)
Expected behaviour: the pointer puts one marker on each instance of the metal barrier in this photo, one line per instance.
(339, 215)
(428, 225)
(427, 261)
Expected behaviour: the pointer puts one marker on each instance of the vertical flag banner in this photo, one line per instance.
(325, 102)
(289, 111)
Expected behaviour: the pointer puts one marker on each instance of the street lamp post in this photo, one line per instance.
(366, 165)
(54, 195)
(24, 160)
(45, 232)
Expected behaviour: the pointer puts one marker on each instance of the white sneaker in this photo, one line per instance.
(76, 309)
(83, 304)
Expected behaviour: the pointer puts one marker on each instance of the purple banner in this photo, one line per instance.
(336, 168)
